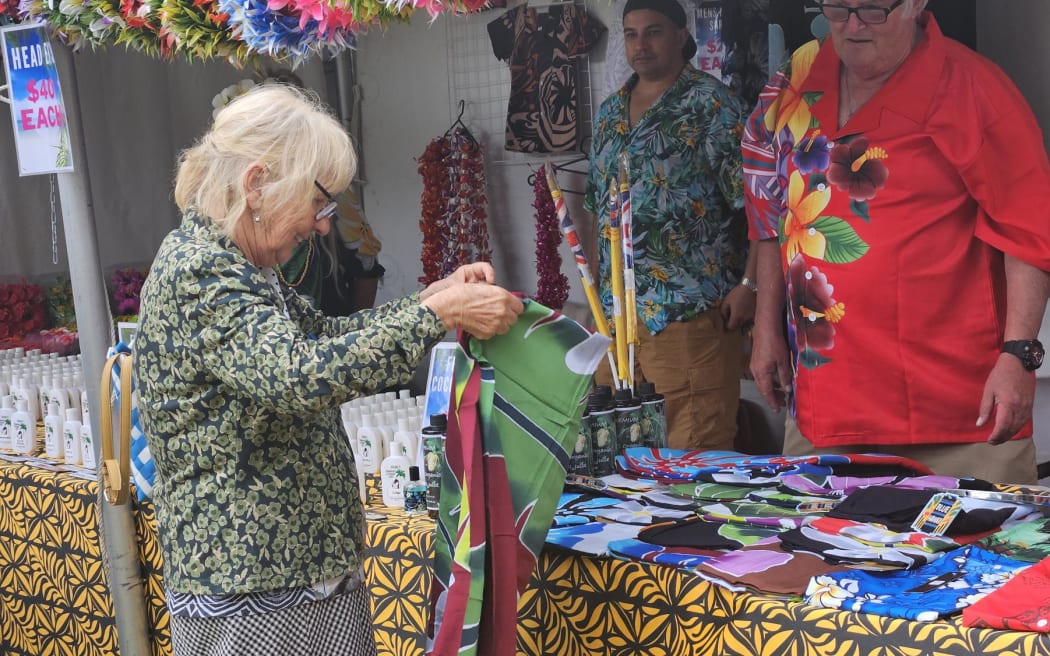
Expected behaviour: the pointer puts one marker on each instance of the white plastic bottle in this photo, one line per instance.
(59, 395)
(71, 437)
(394, 477)
(53, 432)
(407, 437)
(83, 398)
(369, 445)
(44, 394)
(23, 428)
(87, 443)
(26, 391)
(7, 408)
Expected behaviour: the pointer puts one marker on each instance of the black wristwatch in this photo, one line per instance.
(1028, 351)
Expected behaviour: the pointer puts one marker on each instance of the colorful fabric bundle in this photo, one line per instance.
(768, 568)
(866, 546)
(1027, 541)
(730, 467)
(1022, 604)
(514, 413)
(840, 486)
(929, 593)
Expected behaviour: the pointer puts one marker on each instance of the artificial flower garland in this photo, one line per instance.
(432, 216)
(127, 285)
(454, 212)
(552, 287)
(237, 30)
(21, 309)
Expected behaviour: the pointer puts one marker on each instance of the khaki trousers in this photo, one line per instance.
(1012, 462)
(696, 365)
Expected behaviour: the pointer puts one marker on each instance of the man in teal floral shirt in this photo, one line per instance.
(680, 129)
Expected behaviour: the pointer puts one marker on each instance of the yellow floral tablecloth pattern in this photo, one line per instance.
(54, 595)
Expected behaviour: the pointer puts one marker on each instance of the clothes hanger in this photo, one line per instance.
(564, 167)
(462, 126)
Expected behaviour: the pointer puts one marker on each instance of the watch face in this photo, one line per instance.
(1035, 356)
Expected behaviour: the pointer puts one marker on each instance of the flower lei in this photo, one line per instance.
(552, 287)
(432, 216)
(454, 208)
(127, 285)
(60, 303)
(21, 309)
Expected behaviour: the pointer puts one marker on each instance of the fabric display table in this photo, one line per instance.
(54, 593)
(54, 588)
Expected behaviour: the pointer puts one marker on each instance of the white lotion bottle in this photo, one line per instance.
(71, 436)
(23, 428)
(7, 408)
(394, 478)
(87, 443)
(53, 432)
(369, 445)
(406, 436)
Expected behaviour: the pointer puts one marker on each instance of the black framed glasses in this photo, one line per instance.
(328, 211)
(867, 14)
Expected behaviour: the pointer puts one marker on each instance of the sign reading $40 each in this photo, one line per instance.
(37, 111)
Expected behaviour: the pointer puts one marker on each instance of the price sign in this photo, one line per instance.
(37, 111)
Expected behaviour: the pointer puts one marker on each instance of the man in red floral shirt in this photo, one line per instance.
(899, 187)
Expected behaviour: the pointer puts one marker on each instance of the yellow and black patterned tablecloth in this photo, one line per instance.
(54, 595)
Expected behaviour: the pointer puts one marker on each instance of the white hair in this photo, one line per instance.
(286, 130)
(915, 7)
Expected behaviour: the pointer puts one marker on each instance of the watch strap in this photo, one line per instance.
(1028, 351)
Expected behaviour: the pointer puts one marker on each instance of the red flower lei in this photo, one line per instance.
(454, 206)
(432, 217)
(552, 287)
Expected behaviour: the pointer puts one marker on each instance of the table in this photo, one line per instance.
(54, 590)
(54, 594)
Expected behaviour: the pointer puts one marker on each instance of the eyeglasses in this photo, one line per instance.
(330, 207)
(867, 14)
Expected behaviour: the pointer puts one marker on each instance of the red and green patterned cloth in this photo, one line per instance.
(515, 411)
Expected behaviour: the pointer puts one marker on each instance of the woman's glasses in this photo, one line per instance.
(328, 210)
(867, 14)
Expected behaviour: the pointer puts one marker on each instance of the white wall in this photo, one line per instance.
(1014, 35)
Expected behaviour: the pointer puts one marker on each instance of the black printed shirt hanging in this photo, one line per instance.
(541, 47)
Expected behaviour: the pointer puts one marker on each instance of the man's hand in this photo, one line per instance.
(771, 366)
(738, 307)
(1010, 392)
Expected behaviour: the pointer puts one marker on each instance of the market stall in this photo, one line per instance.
(575, 603)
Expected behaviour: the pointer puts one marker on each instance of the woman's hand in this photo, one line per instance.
(481, 310)
(468, 273)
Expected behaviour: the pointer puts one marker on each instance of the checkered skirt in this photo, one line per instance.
(337, 626)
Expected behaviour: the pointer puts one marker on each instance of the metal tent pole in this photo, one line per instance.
(95, 327)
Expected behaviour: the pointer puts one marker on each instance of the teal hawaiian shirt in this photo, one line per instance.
(690, 234)
(239, 389)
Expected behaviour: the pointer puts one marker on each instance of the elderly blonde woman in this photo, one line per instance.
(240, 380)
(899, 186)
